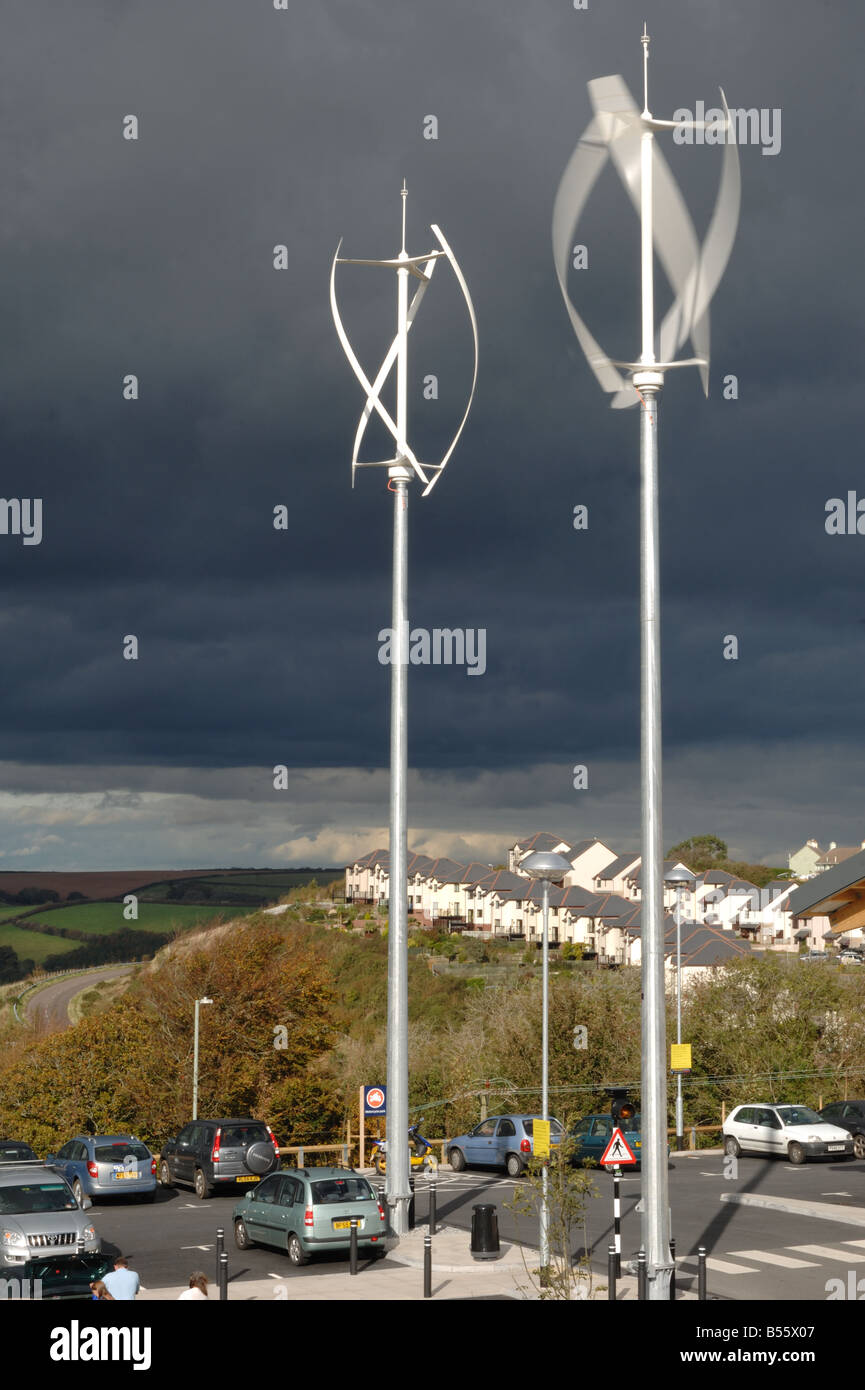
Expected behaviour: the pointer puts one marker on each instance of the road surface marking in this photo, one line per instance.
(860, 1243)
(826, 1252)
(718, 1266)
(771, 1258)
(196, 1247)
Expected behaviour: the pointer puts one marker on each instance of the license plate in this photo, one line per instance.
(250, 1179)
(835, 1148)
(127, 1174)
(345, 1225)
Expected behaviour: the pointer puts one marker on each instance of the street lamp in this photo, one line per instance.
(203, 1000)
(545, 869)
(680, 879)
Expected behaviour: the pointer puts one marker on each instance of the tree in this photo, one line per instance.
(700, 852)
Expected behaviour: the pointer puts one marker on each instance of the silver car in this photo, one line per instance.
(106, 1165)
(39, 1217)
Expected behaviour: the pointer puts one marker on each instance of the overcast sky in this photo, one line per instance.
(257, 647)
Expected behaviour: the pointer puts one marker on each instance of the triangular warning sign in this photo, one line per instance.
(617, 1151)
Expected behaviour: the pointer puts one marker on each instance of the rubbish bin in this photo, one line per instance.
(485, 1232)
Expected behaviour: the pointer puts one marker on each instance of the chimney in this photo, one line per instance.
(832, 844)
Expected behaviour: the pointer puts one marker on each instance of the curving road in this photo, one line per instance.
(51, 1003)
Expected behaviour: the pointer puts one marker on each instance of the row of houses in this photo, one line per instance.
(598, 906)
(811, 859)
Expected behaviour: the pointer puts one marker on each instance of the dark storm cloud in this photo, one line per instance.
(261, 127)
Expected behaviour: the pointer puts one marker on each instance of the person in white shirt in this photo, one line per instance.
(197, 1287)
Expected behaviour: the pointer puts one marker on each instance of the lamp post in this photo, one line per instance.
(679, 879)
(545, 869)
(401, 469)
(198, 1002)
(624, 133)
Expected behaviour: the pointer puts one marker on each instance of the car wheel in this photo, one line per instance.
(514, 1165)
(296, 1253)
(202, 1186)
(242, 1238)
(457, 1160)
(78, 1192)
(732, 1146)
(859, 1145)
(165, 1174)
(796, 1154)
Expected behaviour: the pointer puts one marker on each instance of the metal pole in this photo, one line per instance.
(680, 1127)
(195, 1067)
(655, 1221)
(545, 1076)
(617, 1220)
(397, 1177)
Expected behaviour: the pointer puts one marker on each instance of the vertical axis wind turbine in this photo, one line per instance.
(626, 135)
(401, 468)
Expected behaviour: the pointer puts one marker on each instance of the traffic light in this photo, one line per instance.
(622, 1108)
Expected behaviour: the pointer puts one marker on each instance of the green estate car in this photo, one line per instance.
(309, 1210)
(592, 1134)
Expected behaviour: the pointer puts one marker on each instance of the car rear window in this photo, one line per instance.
(116, 1153)
(341, 1190)
(33, 1197)
(238, 1136)
(14, 1153)
(555, 1127)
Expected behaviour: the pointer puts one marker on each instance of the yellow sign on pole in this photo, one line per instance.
(680, 1057)
(541, 1136)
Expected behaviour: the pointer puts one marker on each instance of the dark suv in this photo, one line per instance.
(16, 1151)
(208, 1154)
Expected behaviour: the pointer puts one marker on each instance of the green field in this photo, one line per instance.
(32, 945)
(101, 919)
(262, 887)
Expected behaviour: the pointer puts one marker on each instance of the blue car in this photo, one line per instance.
(106, 1165)
(502, 1141)
(592, 1134)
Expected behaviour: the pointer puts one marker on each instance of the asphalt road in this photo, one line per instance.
(754, 1254)
(52, 1002)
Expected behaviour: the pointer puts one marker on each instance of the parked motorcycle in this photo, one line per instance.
(421, 1154)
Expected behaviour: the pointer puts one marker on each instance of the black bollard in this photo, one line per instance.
(220, 1246)
(432, 1208)
(641, 1276)
(352, 1246)
(427, 1266)
(223, 1277)
(611, 1273)
(701, 1274)
(673, 1274)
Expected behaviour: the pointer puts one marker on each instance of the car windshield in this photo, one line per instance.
(342, 1190)
(116, 1153)
(33, 1197)
(798, 1115)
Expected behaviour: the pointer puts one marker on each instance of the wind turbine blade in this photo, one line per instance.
(440, 238)
(577, 182)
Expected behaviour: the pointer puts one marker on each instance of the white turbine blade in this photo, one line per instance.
(577, 182)
(371, 394)
(440, 467)
(386, 365)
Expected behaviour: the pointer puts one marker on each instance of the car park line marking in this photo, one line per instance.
(836, 1194)
(196, 1247)
(860, 1243)
(771, 1258)
(827, 1253)
(719, 1266)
